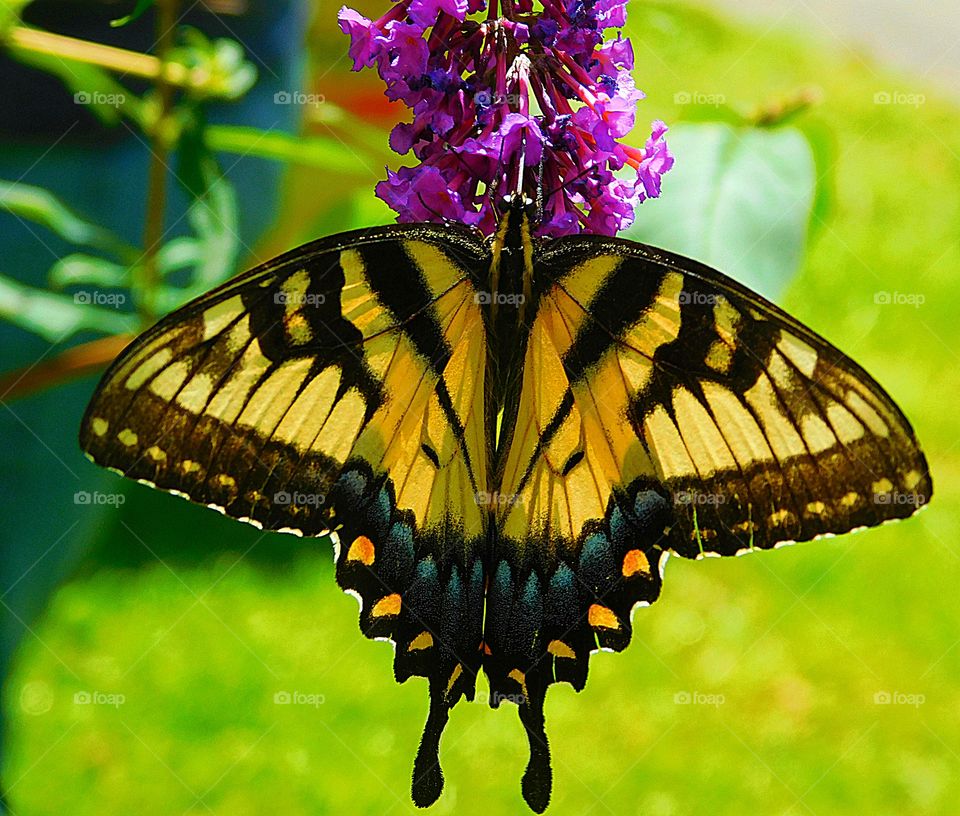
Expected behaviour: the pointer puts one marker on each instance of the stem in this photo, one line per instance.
(149, 278)
(32, 40)
(78, 361)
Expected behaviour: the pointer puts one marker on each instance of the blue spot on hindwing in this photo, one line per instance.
(598, 567)
(561, 607)
(528, 618)
(620, 530)
(652, 512)
(427, 570)
(451, 608)
(349, 490)
(381, 512)
(398, 554)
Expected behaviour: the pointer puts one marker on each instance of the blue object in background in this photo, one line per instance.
(53, 143)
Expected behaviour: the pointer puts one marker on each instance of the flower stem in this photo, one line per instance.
(88, 358)
(149, 274)
(31, 40)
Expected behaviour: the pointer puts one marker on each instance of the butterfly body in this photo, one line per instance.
(504, 439)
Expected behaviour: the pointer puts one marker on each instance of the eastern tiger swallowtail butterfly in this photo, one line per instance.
(504, 439)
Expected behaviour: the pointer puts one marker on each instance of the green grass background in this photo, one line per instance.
(198, 622)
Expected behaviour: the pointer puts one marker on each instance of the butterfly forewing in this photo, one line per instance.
(754, 428)
(334, 389)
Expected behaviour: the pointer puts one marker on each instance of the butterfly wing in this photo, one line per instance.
(337, 388)
(666, 408)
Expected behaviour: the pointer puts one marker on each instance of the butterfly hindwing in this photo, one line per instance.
(334, 389)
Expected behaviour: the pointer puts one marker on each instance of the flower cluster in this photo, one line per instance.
(527, 98)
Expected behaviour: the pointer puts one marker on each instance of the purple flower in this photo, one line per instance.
(533, 95)
(424, 12)
(657, 160)
(362, 33)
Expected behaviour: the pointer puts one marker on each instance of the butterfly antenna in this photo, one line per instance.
(521, 167)
(541, 200)
(443, 219)
(559, 187)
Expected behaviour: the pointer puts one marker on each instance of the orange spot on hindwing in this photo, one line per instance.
(602, 617)
(362, 550)
(635, 562)
(386, 606)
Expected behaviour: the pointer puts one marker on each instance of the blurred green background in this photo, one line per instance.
(151, 645)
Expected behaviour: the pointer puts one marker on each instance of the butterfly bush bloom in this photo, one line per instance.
(506, 88)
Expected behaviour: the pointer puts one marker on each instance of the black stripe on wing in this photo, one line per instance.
(762, 431)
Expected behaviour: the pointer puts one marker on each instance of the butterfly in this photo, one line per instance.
(505, 439)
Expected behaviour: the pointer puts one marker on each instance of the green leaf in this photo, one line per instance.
(180, 253)
(227, 72)
(43, 207)
(10, 11)
(56, 317)
(738, 199)
(213, 216)
(312, 151)
(214, 219)
(138, 11)
(80, 268)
